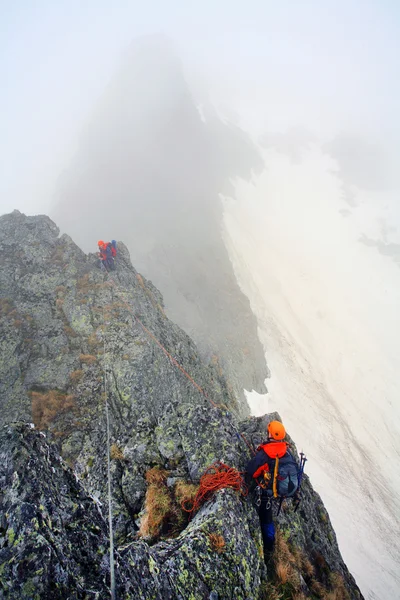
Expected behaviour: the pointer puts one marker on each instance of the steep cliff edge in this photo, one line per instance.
(63, 324)
(148, 170)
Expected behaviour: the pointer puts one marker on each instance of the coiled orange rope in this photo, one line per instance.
(216, 477)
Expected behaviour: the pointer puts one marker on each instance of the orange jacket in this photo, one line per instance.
(102, 252)
(259, 463)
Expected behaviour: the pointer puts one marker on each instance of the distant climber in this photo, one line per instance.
(102, 254)
(275, 474)
(114, 248)
(110, 259)
(107, 253)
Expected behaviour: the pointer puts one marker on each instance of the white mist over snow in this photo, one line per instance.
(328, 312)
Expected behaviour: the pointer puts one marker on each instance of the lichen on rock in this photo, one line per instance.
(72, 337)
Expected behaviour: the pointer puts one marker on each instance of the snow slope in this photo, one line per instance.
(327, 308)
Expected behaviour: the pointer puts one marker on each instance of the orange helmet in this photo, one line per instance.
(276, 430)
(100, 243)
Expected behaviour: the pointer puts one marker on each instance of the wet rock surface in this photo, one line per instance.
(64, 324)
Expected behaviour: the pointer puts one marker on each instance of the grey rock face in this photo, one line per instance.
(53, 540)
(159, 190)
(63, 325)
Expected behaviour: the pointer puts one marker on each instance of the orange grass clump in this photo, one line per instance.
(88, 359)
(158, 506)
(217, 542)
(46, 406)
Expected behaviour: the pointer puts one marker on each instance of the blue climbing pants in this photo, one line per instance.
(267, 526)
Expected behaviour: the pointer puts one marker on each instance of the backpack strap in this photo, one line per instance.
(274, 484)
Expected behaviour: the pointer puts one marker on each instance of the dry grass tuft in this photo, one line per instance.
(282, 550)
(156, 476)
(282, 570)
(290, 563)
(185, 492)
(163, 513)
(297, 555)
(88, 359)
(46, 406)
(59, 303)
(178, 520)
(61, 289)
(320, 561)
(93, 340)
(269, 592)
(339, 591)
(307, 567)
(158, 506)
(70, 332)
(116, 452)
(76, 376)
(318, 589)
(140, 280)
(217, 542)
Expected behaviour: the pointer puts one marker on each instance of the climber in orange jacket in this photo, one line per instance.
(258, 466)
(102, 254)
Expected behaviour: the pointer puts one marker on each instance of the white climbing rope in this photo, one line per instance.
(110, 522)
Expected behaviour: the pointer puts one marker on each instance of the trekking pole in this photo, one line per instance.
(303, 460)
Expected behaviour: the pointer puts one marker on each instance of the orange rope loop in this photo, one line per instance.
(216, 477)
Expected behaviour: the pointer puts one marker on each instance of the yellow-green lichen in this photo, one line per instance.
(10, 536)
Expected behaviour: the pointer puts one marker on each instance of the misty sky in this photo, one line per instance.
(327, 66)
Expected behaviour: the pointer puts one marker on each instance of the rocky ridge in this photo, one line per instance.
(150, 170)
(63, 324)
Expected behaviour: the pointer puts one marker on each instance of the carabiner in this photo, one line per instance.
(258, 497)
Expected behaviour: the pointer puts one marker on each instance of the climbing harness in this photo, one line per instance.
(110, 522)
(217, 476)
(258, 498)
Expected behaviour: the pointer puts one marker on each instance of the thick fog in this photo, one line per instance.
(261, 136)
(330, 67)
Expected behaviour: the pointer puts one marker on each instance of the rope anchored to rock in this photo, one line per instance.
(216, 477)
